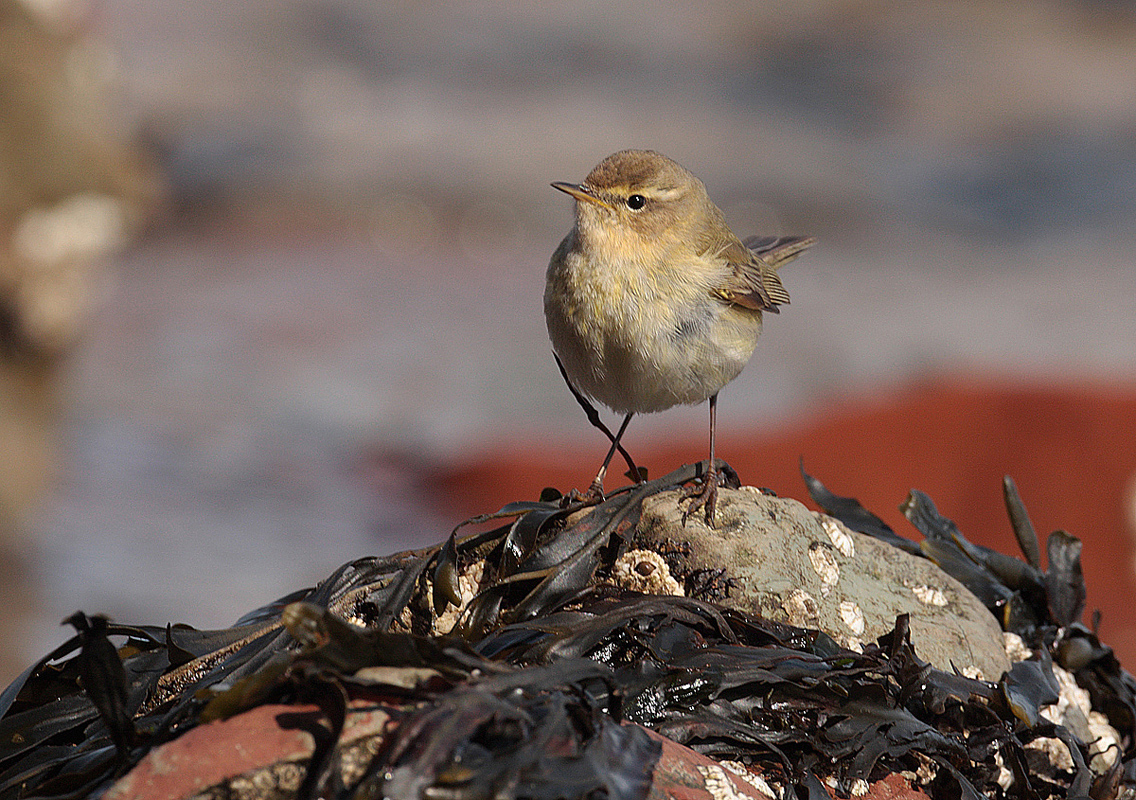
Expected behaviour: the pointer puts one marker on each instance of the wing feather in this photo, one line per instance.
(753, 282)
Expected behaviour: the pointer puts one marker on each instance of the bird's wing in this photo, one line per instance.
(753, 282)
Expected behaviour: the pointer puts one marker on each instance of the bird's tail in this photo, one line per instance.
(778, 250)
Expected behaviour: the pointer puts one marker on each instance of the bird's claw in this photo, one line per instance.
(592, 497)
(703, 497)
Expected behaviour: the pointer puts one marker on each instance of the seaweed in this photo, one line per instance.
(551, 674)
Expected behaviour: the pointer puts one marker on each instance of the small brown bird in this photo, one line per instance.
(651, 300)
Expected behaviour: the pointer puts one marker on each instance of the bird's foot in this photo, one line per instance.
(704, 497)
(592, 497)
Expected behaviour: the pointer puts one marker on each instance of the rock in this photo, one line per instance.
(787, 563)
(682, 774)
(262, 753)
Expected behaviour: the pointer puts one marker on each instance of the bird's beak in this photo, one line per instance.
(580, 193)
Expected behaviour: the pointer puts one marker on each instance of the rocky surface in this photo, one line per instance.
(261, 754)
(782, 561)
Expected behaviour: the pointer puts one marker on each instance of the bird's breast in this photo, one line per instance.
(641, 339)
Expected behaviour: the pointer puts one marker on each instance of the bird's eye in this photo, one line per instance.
(636, 202)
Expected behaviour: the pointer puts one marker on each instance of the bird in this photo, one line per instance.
(651, 301)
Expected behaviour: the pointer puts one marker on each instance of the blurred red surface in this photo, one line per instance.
(1070, 449)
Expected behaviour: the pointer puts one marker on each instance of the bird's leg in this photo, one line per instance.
(707, 497)
(633, 472)
(596, 489)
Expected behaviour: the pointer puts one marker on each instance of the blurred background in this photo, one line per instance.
(271, 274)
